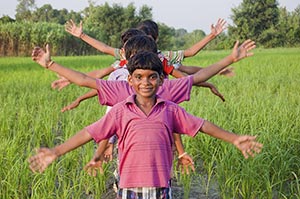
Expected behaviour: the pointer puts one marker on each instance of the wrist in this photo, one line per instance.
(56, 152)
(181, 155)
(49, 63)
(82, 35)
(212, 35)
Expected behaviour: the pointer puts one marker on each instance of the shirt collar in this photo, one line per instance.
(130, 99)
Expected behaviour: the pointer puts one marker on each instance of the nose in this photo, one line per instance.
(145, 81)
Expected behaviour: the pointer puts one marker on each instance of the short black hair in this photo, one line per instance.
(149, 31)
(131, 32)
(138, 44)
(152, 26)
(145, 60)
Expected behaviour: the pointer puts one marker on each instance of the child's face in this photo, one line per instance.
(145, 82)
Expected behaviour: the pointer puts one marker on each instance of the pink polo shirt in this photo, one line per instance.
(145, 141)
(175, 90)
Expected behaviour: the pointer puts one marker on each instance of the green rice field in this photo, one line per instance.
(262, 99)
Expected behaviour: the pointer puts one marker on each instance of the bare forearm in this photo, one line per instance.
(189, 69)
(79, 139)
(101, 73)
(88, 95)
(73, 76)
(102, 47)
(100, 150)
(198, 46)
(204, 84)
(217, 132)
(178, 143)
(177, 74)
(208, 72)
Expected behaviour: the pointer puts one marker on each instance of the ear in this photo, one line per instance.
(161, 79)
(129, 79)
(122, 52)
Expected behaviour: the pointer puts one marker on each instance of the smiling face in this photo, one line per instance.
(145, 82)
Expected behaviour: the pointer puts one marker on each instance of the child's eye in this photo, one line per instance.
(138, 77)
(153, 77)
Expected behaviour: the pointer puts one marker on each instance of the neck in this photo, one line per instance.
(145, 104)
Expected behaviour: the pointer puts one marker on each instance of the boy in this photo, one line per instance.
(144, 123)
(112, 92)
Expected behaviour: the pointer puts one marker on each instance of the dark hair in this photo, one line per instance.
(146, 61)
(149, 31)
(138, 44)
(131, 32)
(152, 25)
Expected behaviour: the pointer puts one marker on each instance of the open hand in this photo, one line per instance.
(242, 51)
(40, 56)
(185, 164)
(43, 158)
(94, 167)
(247, 145)
(60, 83)
(218, 28)
(71, 28)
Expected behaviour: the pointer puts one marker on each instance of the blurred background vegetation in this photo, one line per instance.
(260, 20)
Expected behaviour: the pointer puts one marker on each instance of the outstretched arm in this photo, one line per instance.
(215, 31)
(213, 89)
(245, 143)
(76, 103)
(71, 28)
(43, 58)
(237, 54)
(45, 156)
(62, 82)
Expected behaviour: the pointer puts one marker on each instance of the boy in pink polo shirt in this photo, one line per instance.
(144, 123)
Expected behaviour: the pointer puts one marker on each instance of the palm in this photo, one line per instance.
(242, 51)
(40, 161)
(73, 29)
(218, 28)
(93, 167)
(40, 56)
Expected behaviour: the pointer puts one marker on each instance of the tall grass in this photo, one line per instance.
(262, 99)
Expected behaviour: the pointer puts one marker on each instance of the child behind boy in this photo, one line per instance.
(150, 28)
(144, 123)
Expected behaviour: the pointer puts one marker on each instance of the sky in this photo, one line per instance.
(187, 14)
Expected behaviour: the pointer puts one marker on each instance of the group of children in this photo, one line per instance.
(144, 116)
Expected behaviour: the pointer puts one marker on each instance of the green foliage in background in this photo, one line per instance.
(262, 21)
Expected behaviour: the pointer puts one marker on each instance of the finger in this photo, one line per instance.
(222, 98)
(249, 152)
(249, 43)
(192, 167)
(236, 44)
(245, 154)
(187, 171)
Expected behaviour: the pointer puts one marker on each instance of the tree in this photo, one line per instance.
(24, 10)
(47, 14)
(6, 19)
(252, 17)
(108, 22)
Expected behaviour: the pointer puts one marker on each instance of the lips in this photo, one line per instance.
(148, 89)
